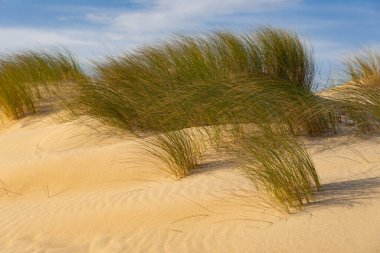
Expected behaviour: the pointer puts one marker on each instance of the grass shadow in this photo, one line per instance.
(348, 193)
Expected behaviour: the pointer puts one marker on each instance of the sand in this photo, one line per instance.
(64, 188)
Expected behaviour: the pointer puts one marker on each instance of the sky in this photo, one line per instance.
(92, 29)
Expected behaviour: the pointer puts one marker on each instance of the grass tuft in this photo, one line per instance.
(180, 152)
(27, 76)
(285, 170)
(359, 99)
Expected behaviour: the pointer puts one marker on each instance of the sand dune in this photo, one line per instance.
(66, 189)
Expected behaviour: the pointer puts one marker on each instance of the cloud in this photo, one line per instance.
(151, 21)
(108, 30)
(84, 45)
(165, 16)
(15, 38)
(96, 30)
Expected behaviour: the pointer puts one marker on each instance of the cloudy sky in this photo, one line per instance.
(94, 28)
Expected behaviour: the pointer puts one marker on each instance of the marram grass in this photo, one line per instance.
(180, 152)
(27, 76)
(201, 79)
(359, 98)
(219, 83)
(277, 164)
(247, 94)
(364, 68)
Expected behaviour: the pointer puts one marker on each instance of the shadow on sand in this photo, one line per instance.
(348, 193)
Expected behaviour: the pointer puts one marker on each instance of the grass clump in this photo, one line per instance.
(192, 81)
(180, 152)
(285, 170)
(218, 82)
(282, 55)
(364, 69)
(359, 98)
(27, 76)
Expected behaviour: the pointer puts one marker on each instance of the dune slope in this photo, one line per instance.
(64, 188)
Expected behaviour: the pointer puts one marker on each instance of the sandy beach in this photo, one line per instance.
(156, 126)
(67, 189)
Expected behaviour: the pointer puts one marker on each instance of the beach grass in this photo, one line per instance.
(180, 152)
(27, 76)
(278, 164)
(198, 80)
(219, 82)
(359, 98)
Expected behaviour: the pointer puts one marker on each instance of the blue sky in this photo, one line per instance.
(92, 29)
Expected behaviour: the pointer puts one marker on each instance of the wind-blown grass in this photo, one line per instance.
(198, 78)
(25, 77)
(180, 151)
(252, 93)
(218, 82)
(360, 97)
(285, 57)
(285, 170)
(364, 69)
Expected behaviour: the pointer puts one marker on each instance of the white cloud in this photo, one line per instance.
(111, 30)
(18, 38)
(157, 20)
(84, 45)
(127, 29)
(165, 16)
